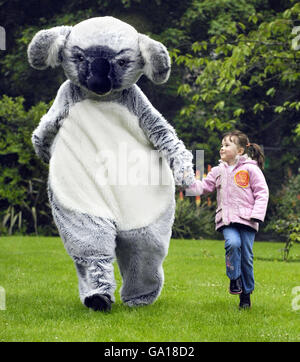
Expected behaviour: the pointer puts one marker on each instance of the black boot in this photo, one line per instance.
(245, 301)
(235, 286)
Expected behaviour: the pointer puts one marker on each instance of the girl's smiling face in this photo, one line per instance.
(229, 150)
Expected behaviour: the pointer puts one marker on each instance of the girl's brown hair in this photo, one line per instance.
(253, 150)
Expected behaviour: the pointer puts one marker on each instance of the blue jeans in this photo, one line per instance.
(239, 255)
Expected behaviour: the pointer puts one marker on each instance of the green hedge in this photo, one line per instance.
(195, 222)
(24, 207)
(285, 219)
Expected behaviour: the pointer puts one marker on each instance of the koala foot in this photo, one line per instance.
(142, 299)
(97, 302)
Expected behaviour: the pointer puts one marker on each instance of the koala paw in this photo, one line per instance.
(97, 302)
(188, 177)
(183, 172)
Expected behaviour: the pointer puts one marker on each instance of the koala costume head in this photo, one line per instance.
(119, 60)
(99, 110)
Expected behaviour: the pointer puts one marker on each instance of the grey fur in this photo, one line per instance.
(162, 135)
(156, 53)
(43, 136)
(94, 242)
(46, 46)
(140, 254)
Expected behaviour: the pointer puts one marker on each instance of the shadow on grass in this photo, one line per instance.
(34, 307)
(291, 260)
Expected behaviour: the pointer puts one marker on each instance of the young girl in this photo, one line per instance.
(242, 198)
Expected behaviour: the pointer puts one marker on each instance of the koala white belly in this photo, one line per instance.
(102, 164)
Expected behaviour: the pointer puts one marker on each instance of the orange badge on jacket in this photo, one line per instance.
(241, 178)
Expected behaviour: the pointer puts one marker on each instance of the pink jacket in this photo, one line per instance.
(242, 193)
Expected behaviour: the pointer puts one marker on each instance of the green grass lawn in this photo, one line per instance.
(42, 302)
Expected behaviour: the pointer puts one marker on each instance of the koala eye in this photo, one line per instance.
(79, 57)
(121, 62)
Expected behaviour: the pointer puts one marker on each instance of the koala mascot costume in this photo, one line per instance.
(98, 117)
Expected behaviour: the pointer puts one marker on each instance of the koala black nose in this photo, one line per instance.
(100, 67)
(99, 81)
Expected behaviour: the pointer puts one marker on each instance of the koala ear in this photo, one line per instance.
(156, 57)
(45, 48)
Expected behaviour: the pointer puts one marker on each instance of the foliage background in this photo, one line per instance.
(233, 67)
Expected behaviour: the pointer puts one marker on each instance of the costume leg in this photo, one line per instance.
(140, 254)
(90, 241)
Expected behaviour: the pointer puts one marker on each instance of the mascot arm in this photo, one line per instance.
(44, 134)
(164, 138)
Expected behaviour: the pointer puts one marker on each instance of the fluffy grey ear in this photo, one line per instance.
(45, 48)
(156, 57)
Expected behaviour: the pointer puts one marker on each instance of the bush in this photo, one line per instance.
(23, 178)
(286, 219)
(194, 222)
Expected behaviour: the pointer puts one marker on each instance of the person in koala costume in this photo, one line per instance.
(100, 122)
